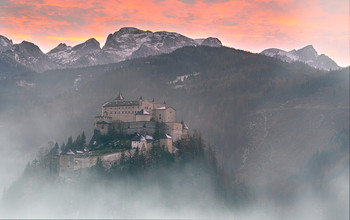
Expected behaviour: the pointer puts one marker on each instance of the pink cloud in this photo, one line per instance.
(251, 25)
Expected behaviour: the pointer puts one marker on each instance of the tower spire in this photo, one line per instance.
(119, 97)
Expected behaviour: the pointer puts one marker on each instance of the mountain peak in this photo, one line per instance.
(30, 46)
(211, 42)
(92, 40)
(60, 47)
(129, 30)
(307, 55)
(308, 52)
(91, 44)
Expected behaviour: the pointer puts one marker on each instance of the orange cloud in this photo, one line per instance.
(251, 25)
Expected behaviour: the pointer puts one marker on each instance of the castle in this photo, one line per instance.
(139, 118)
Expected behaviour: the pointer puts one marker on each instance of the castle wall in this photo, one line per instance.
(103, 128)
(141, 145)
(184, 133)
(84, 162)
(142, 117)
(167, 143)
(146, 105)
(121, 113)
(164, 115)
(70, 163)
(66, 165)
(141, 127)
(170, 114)
(158, 114)
(175, 130)
(157, 105)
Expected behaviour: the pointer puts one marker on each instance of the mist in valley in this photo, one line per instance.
(280, 133)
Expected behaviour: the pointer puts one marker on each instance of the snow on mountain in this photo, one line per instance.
(306, 55)
(80, 55)
(178, 82)
(126, 43)
(130, 43)
(5, 43)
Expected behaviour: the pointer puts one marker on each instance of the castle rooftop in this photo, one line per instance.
(121, 103)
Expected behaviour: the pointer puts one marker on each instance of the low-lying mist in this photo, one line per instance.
(187, 189)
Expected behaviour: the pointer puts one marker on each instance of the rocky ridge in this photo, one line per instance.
(126, 43)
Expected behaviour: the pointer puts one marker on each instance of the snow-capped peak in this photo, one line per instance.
(306, 55)
(126, 43)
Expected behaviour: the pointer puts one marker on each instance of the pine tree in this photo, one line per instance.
(83, 139)
(69, 144)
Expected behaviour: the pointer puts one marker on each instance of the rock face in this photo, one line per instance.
(306, 55)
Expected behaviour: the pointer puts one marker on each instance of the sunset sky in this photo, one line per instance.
(252, 25)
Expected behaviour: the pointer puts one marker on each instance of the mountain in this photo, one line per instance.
(306, 55)
(126, 43)
(130, 43)
(84, 54)
(5, 43)
(28, 55)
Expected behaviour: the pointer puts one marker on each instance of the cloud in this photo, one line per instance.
(286, 24)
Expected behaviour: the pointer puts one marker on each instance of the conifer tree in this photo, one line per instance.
(83, 139)
(69, 143)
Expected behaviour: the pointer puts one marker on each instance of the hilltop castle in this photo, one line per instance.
(138, 116)
(138, 119)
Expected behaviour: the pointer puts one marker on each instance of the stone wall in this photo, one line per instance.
(167, 143)
(175, 130)
(141, 127)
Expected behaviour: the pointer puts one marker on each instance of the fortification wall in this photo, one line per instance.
(175, 130)
(141, 127)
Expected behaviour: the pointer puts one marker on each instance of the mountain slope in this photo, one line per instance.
(306, 55)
